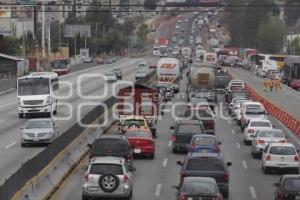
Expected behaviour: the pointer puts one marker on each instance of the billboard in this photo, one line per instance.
(72, 30)
(5, 13)
(5, 26)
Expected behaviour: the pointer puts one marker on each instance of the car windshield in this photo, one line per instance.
(136, 122)
(281, 150)
(199, 113)
(137, 133)
(38, 124)
(114, 169)
(292, 184)
(204, 141)
(109, 145)
(199, 187)
(255, 111)
(59, 64)
(205, 164)
(33, 86)
(189, 128)
(271, 134)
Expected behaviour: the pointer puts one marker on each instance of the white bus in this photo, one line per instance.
(35, 93)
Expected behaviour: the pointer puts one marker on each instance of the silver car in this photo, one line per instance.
(263, 137)
(38, 131)
(107, 177)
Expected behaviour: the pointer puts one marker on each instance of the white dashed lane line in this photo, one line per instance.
(170, 143)
(165, 162)
(253, 192)
(238, 145)
(11, 144)
(157, 190)
(233, 132)
(245, 164)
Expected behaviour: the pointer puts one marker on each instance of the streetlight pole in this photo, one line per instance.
(75, 47)
(49, 38)
(43, 29)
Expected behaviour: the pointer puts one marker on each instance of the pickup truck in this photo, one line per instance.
(207, 165)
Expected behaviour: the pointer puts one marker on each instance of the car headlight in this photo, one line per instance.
(48, 100)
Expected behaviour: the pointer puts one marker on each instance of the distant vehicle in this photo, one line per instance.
(177, 27)
(36, 93)
(265, 66)
(166, 88)
(60, 66)
(156, 51)
(163, 51)
(206, 165)
(175, 52)
(110, 77)
(84, 54)
(210, 59)
(88, 60)
(174, 39)
(36, 131)
(202, 77)
(263, 137)
(168, 71)
(107, 177)
(141, 140)
(118, 73)
(183, 133)
(253, 126)
(142, 64)
(203, 143)
(287, 187)
(140, 75)
(99, 60)
(279, 156)
(108, 145)
(198, 188)
(291, 72)
(152, 66)
(251, 110)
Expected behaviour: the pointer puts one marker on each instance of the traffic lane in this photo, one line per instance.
(149, 177)
(286, 99)
(15, 155)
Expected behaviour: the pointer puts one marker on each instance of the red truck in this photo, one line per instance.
(139, 101)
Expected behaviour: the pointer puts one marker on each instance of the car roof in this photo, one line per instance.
(188, 121)
(134, 117)
(139, 129)
(206, 179)
(204, 135)
(111, 136)
(203, 155)
(291, 176)
(259, 120)
(270, 130)
(281, 144)
(107, 159)
(252, 103)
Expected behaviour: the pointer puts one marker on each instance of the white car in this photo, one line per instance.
(253, 126)
(251, 110)
(177, 27)
(110, 77)
(237, 106)
(280, 156)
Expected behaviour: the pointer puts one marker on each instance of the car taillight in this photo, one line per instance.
(126, 178)
(251, 131)
(296, 158)
(259, 141)
(86, 177)
(219, 197)
(216, 148)
(282, 141)
(279, 196)
(173, 138)
(268, 158)
(226, 177)
(182, 196)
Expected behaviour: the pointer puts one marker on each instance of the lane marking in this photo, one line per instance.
(11, 144)
(245, 164)
(165, 162)
(2, 121)
(233, 132)
(157, 190)
(253, 192)
(8, 104)
(170, 143)
(238, 145)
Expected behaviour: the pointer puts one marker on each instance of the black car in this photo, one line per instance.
(204, 188)
(183, 133)
(118, 73)
(288, 187)
(112, 145)
(206, 165)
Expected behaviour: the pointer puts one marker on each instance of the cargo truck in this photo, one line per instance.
(168, 71)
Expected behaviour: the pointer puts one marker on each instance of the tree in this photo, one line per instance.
(142, 33)
(150, 4)
(270, 36)
(295, 46)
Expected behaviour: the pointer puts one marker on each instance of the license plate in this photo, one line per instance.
(137, 151)
(282, 166)
(35, 139)
(189, 198)
(204, 151)
(93, 189)
(297, 197)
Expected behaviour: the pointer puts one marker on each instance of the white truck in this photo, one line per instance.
(168, 71)
(210, 59)
(265, 66)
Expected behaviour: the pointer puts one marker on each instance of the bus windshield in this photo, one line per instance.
(59, 64)
(33, 86)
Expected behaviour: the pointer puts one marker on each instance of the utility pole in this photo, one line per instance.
(43, 29)
(75, 47)
(49, 38)
(59, 40)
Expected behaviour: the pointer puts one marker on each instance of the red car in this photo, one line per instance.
(142, 142)
(152, 66)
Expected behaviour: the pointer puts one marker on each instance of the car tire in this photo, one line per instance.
(242, 128)
(246, 142)
(21, 115)
(225, 193)
(83, 197)
(110, 178)
(130, 195)
(152, 155)
(254, 155)
(296, 171)
(266, 170)
(174, 150)
(23, 144)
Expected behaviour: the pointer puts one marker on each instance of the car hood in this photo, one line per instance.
(38, 130)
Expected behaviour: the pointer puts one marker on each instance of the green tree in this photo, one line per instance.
(295, 46)
(292, 11)
(142, 33)
(270, 36)
(150, 4)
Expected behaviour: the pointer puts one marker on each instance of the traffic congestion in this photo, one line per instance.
(192, 119)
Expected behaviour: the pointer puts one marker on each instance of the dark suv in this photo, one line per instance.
(206, 165)
(288, 187)
(183, 133)
(112, 145)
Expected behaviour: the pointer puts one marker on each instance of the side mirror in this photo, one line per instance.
(219, 143)
(274, 126)
(172, 127)
(179, 163)
(84, 167)
(89, 146)
(275, 184)
(228, 164)
(298, 150)
(174, 187)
